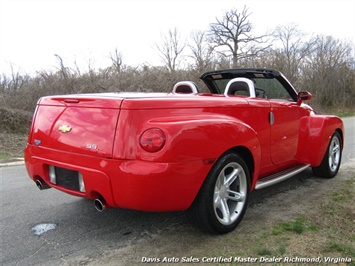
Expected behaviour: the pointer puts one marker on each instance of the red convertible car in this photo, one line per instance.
(183, 150)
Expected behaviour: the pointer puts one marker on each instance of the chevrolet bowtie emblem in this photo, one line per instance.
(64, 128)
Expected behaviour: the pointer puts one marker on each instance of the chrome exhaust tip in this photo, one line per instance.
(99, 205)
(41, 185)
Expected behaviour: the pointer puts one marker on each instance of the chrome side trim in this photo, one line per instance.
(280, 176)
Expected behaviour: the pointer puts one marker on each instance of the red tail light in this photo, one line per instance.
(152, 140)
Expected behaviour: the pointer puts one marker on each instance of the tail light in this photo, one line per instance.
(152, 140)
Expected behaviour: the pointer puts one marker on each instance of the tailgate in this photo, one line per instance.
(76, 124)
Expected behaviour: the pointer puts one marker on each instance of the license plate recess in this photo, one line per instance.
(67, 178)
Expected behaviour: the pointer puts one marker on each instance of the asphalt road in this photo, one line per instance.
(76, 232)
(349, 144)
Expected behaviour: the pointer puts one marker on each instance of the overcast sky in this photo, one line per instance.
(87, 31)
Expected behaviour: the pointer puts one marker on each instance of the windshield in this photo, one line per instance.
(268, 84)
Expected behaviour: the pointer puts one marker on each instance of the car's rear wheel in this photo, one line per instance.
(223, 198)
(332, 158)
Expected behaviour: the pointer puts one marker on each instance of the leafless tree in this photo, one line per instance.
(170, 49)
(65, 72)
(294, 49)
(202, 52)
(117, 60)
(329, 71)
(234, 32)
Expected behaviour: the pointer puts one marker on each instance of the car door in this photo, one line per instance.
(284, 119)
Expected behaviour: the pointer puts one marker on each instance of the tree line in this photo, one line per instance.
(323, 65)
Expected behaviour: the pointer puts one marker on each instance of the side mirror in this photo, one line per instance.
(303, 96)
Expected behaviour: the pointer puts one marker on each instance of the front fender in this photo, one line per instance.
(320, 129)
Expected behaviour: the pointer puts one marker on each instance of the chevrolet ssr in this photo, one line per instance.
(183, 150)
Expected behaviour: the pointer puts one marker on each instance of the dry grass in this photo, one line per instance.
(12, 145)
(324, 228)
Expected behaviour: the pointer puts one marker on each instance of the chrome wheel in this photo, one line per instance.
(223, 198)
(230, 193)
(334, 154)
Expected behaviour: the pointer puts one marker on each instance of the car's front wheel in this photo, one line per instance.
(223, 198)
(332, 158)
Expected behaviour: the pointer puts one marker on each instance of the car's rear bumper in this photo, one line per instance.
(140, 185)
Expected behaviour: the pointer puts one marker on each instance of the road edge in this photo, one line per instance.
(12, 162)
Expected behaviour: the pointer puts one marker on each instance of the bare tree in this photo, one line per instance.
(63, 70)
(66, 74)
(295, 48)
(117, 60)
(329, 72)
(234, 31)
(170, 49)
(202, 52)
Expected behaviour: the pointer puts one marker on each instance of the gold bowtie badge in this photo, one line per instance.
(64, 128)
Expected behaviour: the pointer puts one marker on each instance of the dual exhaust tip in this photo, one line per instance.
(100, 204)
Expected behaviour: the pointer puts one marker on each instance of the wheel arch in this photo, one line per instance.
(340, 131)
(249, 159)
(246, 155)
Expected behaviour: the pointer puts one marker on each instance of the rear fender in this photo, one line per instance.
(207, 139)
(201, 137)
(204, 138)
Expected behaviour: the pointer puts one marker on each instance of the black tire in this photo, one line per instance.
(223, 198)
(332, 158)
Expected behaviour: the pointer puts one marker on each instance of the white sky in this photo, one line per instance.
(32, 31)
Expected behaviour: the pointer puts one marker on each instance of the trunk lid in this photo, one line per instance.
(84, 124)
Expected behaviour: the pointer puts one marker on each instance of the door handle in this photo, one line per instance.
(271, 118)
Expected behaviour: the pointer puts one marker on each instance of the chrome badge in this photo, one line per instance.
(64, 128)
